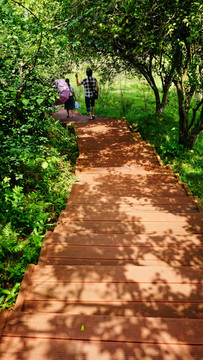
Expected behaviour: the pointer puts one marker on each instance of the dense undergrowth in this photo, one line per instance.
(37, 171)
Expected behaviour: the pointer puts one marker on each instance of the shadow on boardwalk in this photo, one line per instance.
(121, 275)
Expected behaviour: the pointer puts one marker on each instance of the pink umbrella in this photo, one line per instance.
(64, 90)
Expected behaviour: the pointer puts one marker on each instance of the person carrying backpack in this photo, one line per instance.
(70, 103)
(91, 91)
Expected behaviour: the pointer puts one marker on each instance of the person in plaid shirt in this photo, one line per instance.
(90, 84)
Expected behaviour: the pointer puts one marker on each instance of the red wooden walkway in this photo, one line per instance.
(121, 275)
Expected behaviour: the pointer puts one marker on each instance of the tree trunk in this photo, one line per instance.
(146, 71)
(166, 86)
(193, 134)
(188, 134)
(149, 78)
(159, 107)
(183, 115)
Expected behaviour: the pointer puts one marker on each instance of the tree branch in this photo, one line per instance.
(194, 114)
(18, 3)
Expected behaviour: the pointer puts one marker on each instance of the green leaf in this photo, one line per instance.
(25, 101)
(40, 101)
(45, 165)
(31, 162)
(2, 299)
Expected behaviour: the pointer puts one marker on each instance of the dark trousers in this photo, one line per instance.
(89, 102)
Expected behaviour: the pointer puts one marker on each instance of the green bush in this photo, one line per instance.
(37, 171)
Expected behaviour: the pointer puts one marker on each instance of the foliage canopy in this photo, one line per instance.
(159, 39)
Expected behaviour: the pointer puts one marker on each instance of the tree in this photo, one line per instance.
(32, 54)
(122, 31)
(159, 39)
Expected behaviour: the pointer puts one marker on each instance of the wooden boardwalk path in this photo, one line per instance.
(120, 277)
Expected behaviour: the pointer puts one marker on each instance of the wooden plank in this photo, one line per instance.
(116, 200)
(84, 164)
(126, 179)
(132, 209)
(147, 154)
(155, 227)
(104, 328)
(166, 241)
(35, 348)
(130, 170)
(117, 262)
(115, 150)
(67, 254)
(125, 274)
(101, 292)
(133, 191)
(124, 160)
(189, 310)
(128, 216)
(124, 144)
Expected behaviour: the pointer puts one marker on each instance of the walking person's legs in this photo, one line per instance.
(87, 102)
(93, 107)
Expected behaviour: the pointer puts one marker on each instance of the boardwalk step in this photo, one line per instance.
(146, 155)
(96, 328)
(132, 209)
(143, 191)
(152, 164)
(166, 241)
(98, 255)
(128, 273)
(128, 216)
(17, 348)
(149, 166)
(125, 170)
(116, 200)
(144, 148)
(125, 290)
(113, 187)
(137, 227)
(124, 179)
